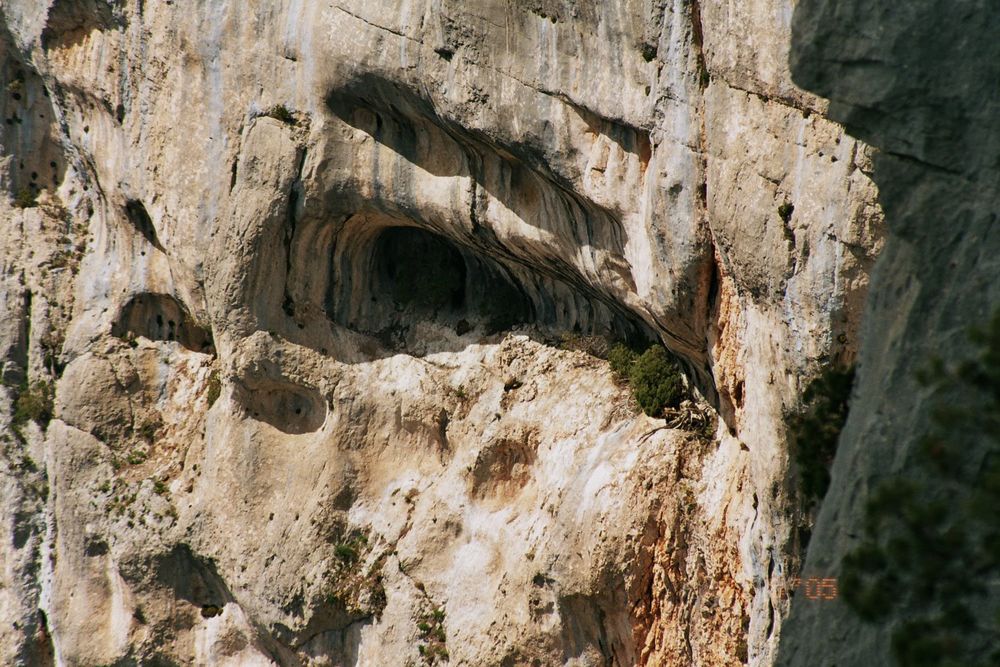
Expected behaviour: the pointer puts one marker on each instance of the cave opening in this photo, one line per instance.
(161, 317)
(421, 271)
(404, 274)
(416, 289)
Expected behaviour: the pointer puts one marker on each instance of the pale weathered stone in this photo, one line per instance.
(258, 458)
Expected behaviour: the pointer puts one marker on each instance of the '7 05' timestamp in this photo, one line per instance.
(816, 588)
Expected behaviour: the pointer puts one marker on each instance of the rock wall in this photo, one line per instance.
(295, 271)
(921, 86)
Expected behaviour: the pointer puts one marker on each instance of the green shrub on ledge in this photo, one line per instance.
(34, 403)
(26, 198)
(654, 376)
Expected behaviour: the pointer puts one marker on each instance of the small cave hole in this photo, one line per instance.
(156, 316)
(190, 577)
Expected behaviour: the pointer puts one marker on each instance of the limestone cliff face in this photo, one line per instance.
(256, 456)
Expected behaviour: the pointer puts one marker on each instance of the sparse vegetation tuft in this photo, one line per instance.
(346, 553)
(34, 403)
(356, 588)
(594, 345)
(136, 457)
(622, 358)
(148, 429)
(785, 211)
(26, 198)
(814, 431)
(214, 388)
(281, 113)
(433, 647)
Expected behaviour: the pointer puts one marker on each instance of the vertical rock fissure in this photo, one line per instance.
(291, 218)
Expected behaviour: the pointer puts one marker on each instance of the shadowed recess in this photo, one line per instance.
(193, 579)
(385, 277)
(70, 21)
(139, 217)
(288, 407)
(162, 317)
(417, 275)
(29, 133)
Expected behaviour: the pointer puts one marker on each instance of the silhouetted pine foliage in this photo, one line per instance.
(931, 549)
(815, 429)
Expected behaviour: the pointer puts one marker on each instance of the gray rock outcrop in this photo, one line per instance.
(920, 85)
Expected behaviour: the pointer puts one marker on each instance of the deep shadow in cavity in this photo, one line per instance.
(162, 317)
(291, 408)
(69, 22)
(193, 579)
(384, 281)
(419, 275)
(421, 270)
(196, 580)
(139, 217)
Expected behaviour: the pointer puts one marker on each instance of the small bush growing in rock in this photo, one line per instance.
(34, 403)
(149, 428)
(654, 376)
(815, 430)
(281, 113)
(214, 388)
(656, 381)
(348, 550)
(26, 198)
(621, 359)
(785, 211)
(346, 553)
(136, 457)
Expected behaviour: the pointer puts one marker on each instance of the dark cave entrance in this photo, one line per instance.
(414, 289)
(401, 275)
(162, 317)
(420, 271)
